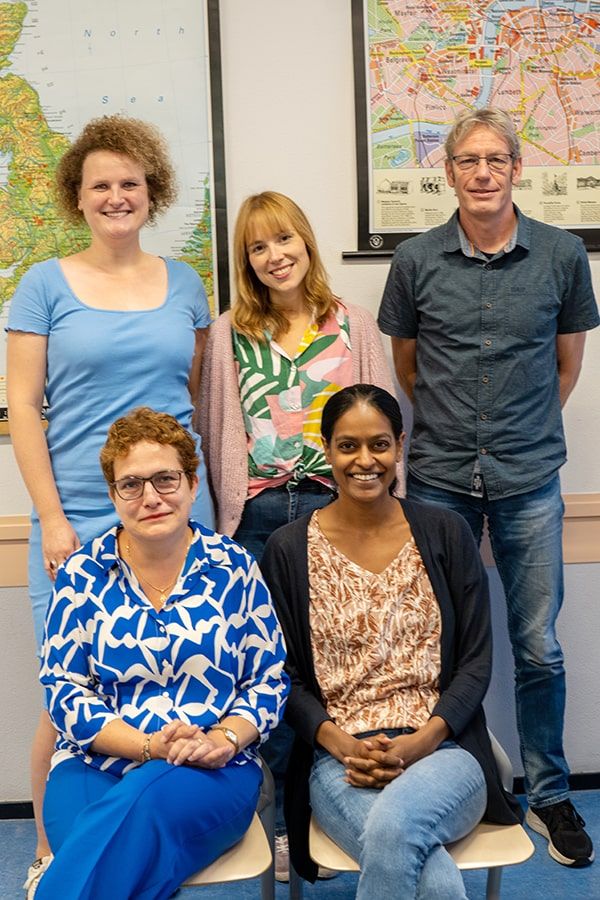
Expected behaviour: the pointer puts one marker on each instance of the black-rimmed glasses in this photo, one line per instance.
(497, 162)
(132, 486)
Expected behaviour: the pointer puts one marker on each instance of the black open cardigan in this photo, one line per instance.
(460, 585)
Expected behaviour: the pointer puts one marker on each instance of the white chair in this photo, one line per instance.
(486, 847)
(254, 854)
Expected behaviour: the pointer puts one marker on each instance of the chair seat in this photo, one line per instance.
(486, 846)
(249, 858)
(492, 845)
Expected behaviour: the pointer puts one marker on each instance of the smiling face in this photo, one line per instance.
(113, 196)
(482, 193)
(154, 516)
(279, 260)
(363, 453)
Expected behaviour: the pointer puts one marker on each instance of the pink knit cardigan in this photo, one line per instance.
(221, 421)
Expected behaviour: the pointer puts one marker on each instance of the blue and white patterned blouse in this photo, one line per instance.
(214, 649)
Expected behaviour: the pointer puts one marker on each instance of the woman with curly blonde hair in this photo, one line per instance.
(99, 332)
(270, 365)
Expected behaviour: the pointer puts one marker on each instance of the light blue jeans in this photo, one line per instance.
(398, 833)
(526, 538)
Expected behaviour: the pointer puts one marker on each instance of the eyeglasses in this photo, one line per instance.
(497, 163)
(132, 486)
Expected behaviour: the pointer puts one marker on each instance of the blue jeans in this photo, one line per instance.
(397, 834)
(526, 538)
(142, 834)
(266, 512)
(275, 507)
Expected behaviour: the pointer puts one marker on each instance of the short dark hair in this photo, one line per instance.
(339, 404)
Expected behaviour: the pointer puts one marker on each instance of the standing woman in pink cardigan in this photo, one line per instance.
(270, 365)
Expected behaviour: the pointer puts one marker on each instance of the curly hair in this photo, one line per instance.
(140, 141)
(496, 119)
(145, 424)
(253, 312)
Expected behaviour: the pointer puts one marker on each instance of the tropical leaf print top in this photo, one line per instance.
(283, 398)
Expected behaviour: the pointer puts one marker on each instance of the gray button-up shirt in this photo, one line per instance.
(487, 378)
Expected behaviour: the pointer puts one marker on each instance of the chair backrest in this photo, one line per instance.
(503, 762)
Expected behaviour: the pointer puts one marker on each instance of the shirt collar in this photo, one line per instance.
(456, 239)
(339, 314)
(105, 550)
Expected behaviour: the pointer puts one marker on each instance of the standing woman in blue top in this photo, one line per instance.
(98, 332)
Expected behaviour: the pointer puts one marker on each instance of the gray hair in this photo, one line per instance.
(496, 119)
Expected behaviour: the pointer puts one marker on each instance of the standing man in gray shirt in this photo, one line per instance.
(488, 315)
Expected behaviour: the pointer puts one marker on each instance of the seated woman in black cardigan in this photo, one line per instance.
(385, 610)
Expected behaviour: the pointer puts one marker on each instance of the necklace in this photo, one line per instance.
(163, 592)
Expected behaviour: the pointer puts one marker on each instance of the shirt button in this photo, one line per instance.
(485, 379)
(483, 416)
(488, 343)
(488, 305)
(166, 694)
(483, 451)
(296, 444)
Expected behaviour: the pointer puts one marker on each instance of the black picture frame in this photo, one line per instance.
(370, 244)
(220, 230)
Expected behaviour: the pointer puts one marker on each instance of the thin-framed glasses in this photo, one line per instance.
(132, 486)
(498, 162)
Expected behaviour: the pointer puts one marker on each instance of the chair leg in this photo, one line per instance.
(267, 879)
(296, 885)
(493, 883)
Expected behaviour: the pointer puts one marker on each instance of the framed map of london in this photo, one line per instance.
(418, 63)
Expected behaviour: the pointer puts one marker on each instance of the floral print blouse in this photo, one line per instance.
(283, 398)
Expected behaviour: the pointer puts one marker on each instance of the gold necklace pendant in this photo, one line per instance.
(165, 592)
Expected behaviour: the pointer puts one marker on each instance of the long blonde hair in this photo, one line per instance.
(253, 312)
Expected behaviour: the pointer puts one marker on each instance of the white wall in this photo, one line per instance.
(289, 126)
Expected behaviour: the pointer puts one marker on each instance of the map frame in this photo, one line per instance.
(215, 88)
(373, 243)
(217, 217)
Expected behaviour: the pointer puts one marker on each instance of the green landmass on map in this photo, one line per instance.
(382, 21)
(197, 250)
(386, 153)
(31, 228)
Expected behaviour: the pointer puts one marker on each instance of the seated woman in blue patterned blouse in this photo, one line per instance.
(163, 668)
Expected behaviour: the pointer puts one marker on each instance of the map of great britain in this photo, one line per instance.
(539, 61)
(62, 63)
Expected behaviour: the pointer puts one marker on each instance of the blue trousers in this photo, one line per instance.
(140, 835)
(269, 510)
(526, 538)
(398, 833)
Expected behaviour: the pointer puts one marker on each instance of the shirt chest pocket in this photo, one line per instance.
(531, 312)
